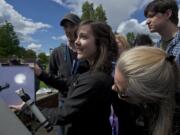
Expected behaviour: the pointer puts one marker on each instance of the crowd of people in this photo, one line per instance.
(138, 85)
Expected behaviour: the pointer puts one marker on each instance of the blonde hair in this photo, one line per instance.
(122, 39)
(151, 79)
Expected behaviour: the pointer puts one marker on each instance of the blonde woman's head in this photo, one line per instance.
(146, 76)
(149, 76)
(122, 43)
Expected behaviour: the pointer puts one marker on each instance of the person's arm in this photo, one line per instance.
(83, 93)
(52, 78)
(53, 81)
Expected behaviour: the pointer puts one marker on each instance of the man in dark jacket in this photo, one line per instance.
(62, 57)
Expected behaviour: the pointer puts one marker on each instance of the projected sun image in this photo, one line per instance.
(20, 78)
(16, 77)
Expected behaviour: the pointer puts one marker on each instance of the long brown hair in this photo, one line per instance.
(106, 46)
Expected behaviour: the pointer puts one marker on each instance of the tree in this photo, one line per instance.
(100, 14)
(9, 42)
(43, 59)
(89, 13)
(30, 54)
(130, 37)
(21, 52)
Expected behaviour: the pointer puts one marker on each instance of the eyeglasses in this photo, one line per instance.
(121, 93)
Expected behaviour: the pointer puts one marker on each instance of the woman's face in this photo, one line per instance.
(119, 45)
(120, 84)
(85, 43)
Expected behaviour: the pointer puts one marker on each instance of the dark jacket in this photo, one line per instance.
(127, 114)
(60, 62)
(86, 109)
(60, 67)
(176, 119)
(135, 119)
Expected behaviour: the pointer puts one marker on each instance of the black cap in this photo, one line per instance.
(70, 17)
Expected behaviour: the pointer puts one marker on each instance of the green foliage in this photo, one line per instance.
(89, 13)
(100, 14)
(9, 42)
(20, 52)
(43, 58)
(30, 54)
(43, 85)
(130, 37)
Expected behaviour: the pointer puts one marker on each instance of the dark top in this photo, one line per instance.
(176, 120)
(86, 109)
(135, 119)
(60, 62)
(127, 115)
(60, 67)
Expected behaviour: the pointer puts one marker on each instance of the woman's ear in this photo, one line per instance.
(114, 87)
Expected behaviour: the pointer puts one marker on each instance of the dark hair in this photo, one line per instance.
(143, 39)
(106, 45)
(162, 6)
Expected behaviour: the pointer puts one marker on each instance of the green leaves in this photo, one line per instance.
(89, 13)
(43, 58)
(10, 44)
(9, 41)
